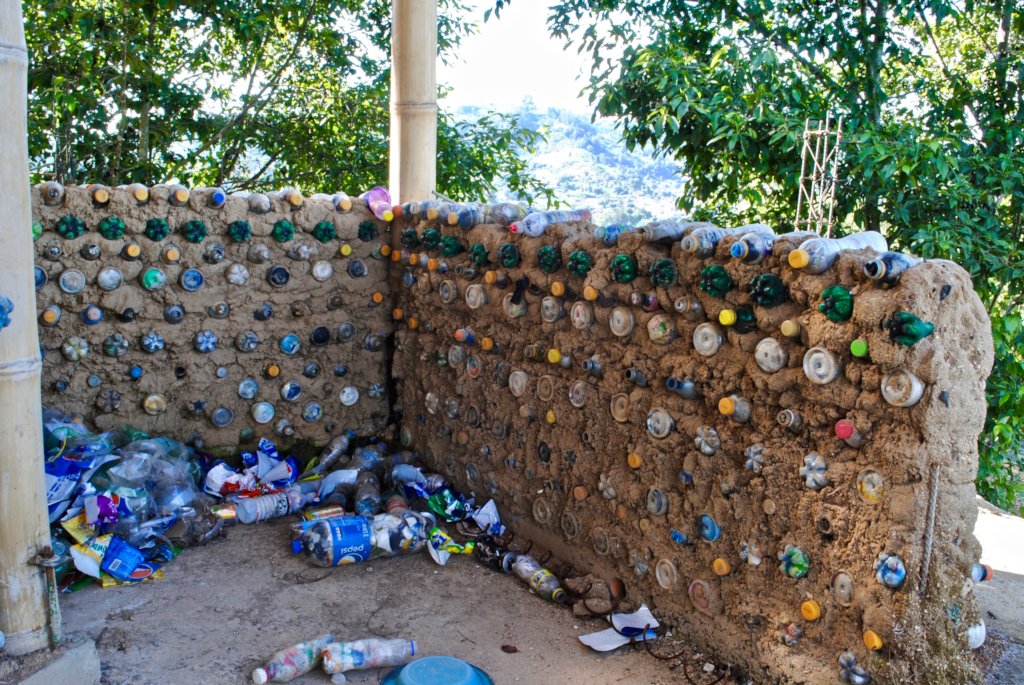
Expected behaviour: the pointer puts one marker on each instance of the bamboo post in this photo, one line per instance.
(24, 524)
(413, 163)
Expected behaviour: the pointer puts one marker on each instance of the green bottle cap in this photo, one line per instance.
(859, 347)
(152, 279)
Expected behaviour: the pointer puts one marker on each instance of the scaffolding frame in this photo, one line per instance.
(815, 202)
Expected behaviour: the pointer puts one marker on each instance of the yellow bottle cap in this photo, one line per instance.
(432, 213)
(272, 370)
(385, 250)
(101, 196)
(413, 323)
(726, 406)
(633, 460)
(389, 215)
(132, 250)
(141, 194)
(154, 404)
(172, 254)
(644, 524)
(432, 265)
(720, 567)
(490, 277)
(345, 204)
(727, 317)
(810, 610)
(486, 344)
(377, 297)
(397, 313)
(181, 195)
(798, 258)
(590, 293)
(580, 493)
(790, 328)
(453, 218)
(345, 250)
(872, 640)
(550, 416)
(49, 316)
(554, 356)
(295, 198)
(558, 288)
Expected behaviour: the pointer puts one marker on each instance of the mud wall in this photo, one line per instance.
(702, 535)
(217, 394)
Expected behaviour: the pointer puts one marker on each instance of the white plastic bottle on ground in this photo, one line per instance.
(253, 509)
(339, 657)
(292, 662)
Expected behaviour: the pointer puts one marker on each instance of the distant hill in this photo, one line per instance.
(588, 166)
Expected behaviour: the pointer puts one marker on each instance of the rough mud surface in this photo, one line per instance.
(561, 471)
(184, 376)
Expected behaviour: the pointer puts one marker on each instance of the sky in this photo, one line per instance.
(514, 57)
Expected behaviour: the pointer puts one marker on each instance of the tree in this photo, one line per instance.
(932, 92)
(247, 95)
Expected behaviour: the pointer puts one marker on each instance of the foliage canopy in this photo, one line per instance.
(246, 95)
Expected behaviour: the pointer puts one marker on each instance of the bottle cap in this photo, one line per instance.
(413, 323)
(385, 250)
(345, 250)
(172, 254)
(272, 371)
(180, 195)
(414, 259)
(726, 406)
(132, 251)
(432, 264)
(739, 249)
(799, 258)
(810, 610)
(154, 404)
(590, 293)
(634, 460)
(294, 198)
(460, 334)
(395, 256)
(377, 297)
(397, 314)
(140, 193)
(872, 640)
(558, 288)
(550, 416)
(486, 344)
(101, 196)
(51, 315)
(859, 347)
(388, 215)
(720, 567)
(554, 356)
(490, 277)
(727, 317)
(580, 493)
(845, 429)
(790, 328)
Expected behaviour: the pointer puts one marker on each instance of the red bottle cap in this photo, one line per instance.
(845, 429)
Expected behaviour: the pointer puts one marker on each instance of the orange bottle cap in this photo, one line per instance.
(101, 195)
(395, 256)
(377, 297)
(490, 277)
(132, 250)
(872, 640)
(810, 610)
(172, 254)
(558, 288)
(412, 323)
(273, 370)
(397, 313)
(385, 250)
(432, 264)
(634, 460)
(720, 567)
(140, 194)
(580, 493)
(726, 406)
(295, 198)
(50, 316)
(590, 293)
(486, 344)
(181, 195)
(414, 259)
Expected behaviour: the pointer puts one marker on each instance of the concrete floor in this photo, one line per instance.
(224, 607)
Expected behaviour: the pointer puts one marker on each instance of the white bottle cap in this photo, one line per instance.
(260, 676)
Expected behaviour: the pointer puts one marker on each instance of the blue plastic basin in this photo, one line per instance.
(438, 670)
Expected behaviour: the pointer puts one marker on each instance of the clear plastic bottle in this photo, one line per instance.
(265, 507)
(177, 195)
(887, 268)
(542, 581)
(533, 225)
(609, 235)
(368, 458)
(669, 230)
(703, 241)
(504, 213)
(342, 540)
(341, 202)
(368, 501)
(334, 451)
(52, 192)
(339, 657)
(735, 407)
(288, 664)
(818, 254)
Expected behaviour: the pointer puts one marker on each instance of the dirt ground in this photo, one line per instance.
(224, 607)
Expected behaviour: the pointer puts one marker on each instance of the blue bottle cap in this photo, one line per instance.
(263, 412)
(191, 280)
(290, 391)
(40, 277)
(174, 313)
(222, 372)
(278, 276)
(93, 381)
(290, 344)
(321, 335)
(135, 373)
(248, 388)
(312, 412)
(222, 416)
(92, 315)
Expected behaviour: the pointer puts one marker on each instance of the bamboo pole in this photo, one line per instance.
(413, 163)
(24, 525)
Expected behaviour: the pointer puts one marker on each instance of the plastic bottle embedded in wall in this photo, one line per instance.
(702, 241)
(378, 199)
(818, 254)
(534, 225)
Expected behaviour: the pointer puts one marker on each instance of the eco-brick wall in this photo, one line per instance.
(696, 521)
(218, 394)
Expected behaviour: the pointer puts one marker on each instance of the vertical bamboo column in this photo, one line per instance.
(413, 163)
(24, 527)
